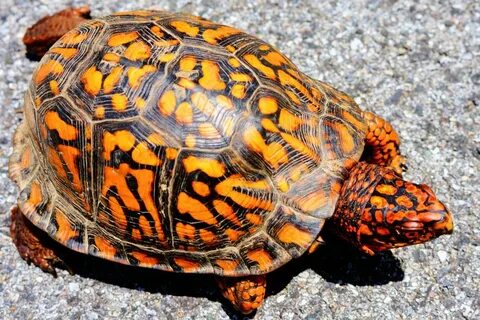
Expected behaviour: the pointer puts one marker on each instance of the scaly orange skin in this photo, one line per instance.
(245, 293)
(383, 144)
(377, 211)
(31, 245)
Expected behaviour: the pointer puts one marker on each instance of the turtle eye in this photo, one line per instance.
(411, 235)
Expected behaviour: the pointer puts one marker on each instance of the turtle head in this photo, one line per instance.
(378, 210)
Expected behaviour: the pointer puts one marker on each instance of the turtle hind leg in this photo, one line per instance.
(382, 144)
(44, 33)
(245, 293)
(31, 244)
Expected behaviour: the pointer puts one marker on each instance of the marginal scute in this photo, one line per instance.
(262, 254)
(67, 228)
(35, 202)
(227, 262)
(22, 163)
(293, 230)
(189, 262)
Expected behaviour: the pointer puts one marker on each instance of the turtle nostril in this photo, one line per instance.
(445, 225)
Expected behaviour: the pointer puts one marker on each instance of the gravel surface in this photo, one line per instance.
(417, 63)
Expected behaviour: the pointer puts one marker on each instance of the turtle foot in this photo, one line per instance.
(245, 293)
(31, 244)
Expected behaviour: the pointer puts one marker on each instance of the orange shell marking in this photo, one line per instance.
(47, 68)
(105, 247)
(65, 130)
(226, 211)
(267, 105)
(137, 51)
(73, 37)
(35, 196)
(187, 204)
(66, 53)
(211, 79)
(135, 75)
(143, 155)
(229, 187)
(123, 139)
(291, 234)
(201, 188)
(261, 257)
(112, 79)
(113, 177)
(186, 265)
(273, 153)
(119, 102)
(257, 64)
(144, 259)
(122, 38)
(70, 155)
(212, 36)
(119, 216)
(211, 167)
(186, 28)
(227, 265)
(167, 102)
(65, 231)
(92, 81)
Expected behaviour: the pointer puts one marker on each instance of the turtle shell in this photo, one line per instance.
(168, 141)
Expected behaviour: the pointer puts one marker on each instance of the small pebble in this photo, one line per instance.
(442, 255)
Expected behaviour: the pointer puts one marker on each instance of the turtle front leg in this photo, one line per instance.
(383, 144)
(245, 293)
(30, 243)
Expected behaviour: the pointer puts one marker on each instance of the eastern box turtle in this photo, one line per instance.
(167, 141)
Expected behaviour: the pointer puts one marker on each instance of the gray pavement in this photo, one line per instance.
(417, 63)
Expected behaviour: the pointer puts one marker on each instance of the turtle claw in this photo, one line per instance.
(399, 165)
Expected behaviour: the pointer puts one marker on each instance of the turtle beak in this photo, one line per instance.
(438, 219)
(441, 226)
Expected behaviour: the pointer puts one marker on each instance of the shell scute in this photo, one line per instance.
(54, 72)
(202, 101)
(132, 175)
(293, 230)
(124, 66)
(221, 219)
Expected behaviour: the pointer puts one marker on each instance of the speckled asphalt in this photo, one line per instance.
(417, 63)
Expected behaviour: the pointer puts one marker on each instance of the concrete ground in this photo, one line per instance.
(417, 63)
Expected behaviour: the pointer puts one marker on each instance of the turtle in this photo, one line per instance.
(164, 140)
